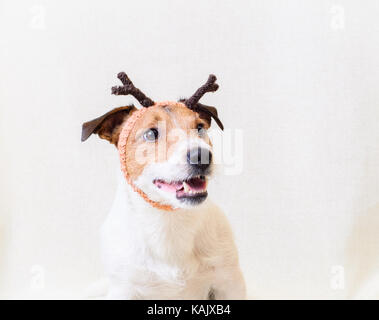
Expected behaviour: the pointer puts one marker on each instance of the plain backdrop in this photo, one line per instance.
(298, 78)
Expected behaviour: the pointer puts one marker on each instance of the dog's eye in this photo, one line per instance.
(151, 135)
(201, 130)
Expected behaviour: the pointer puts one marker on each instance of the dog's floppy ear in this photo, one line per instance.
(108, 126)
(207, 113)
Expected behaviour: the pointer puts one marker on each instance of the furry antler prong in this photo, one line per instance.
(129, 88)
(209, 86)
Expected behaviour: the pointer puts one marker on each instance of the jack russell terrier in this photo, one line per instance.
(163, 238)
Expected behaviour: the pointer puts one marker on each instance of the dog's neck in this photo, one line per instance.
(169, 234)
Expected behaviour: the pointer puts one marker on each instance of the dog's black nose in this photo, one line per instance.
(199, 158)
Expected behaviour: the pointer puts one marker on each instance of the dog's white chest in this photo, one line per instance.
(150, 254)
(156, 264)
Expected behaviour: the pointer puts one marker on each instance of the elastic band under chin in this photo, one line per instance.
(122, 142)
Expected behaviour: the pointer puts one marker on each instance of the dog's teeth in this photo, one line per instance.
(186, 187)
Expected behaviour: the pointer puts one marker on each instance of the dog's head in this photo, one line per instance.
(168, 154)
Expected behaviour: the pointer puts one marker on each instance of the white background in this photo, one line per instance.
(299, 78)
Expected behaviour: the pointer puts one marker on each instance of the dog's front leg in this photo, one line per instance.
(229, 284)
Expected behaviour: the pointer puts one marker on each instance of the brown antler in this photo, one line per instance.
(129, 88)
(209, 86)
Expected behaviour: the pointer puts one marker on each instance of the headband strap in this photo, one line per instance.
(122, 142)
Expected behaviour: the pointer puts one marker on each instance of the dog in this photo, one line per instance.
(163, 238)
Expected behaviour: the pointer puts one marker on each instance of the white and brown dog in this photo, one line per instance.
(163, 238)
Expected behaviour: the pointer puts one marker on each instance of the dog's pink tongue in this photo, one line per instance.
(170, 187)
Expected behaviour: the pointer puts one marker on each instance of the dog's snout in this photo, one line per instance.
(199, 158)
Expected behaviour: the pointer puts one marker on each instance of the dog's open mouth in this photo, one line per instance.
(188, 189)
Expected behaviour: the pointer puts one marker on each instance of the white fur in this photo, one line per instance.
(154, 254)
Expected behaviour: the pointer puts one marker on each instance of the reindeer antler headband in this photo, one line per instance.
(129, 88)
(192, 102)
